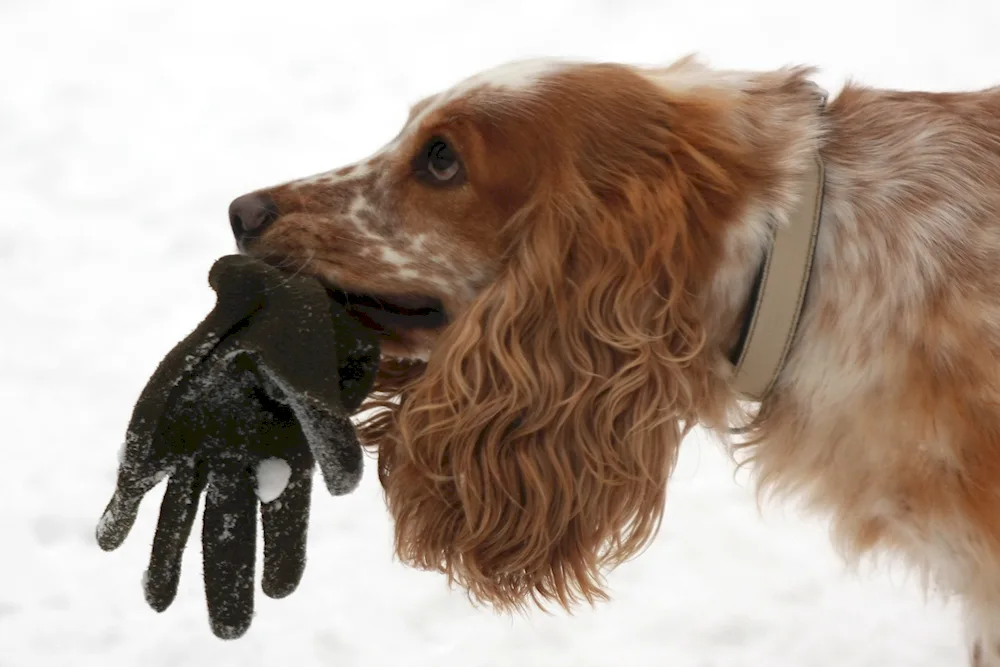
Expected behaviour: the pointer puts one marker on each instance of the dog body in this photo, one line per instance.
(560, 257)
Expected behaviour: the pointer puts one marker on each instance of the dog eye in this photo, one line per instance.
(439, 161)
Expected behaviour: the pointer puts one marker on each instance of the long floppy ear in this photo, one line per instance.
(534, 451)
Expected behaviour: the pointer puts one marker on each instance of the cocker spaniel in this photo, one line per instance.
(562, 258)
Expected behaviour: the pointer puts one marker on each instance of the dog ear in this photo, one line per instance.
(533, 453)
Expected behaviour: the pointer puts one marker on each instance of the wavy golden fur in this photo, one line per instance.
(534, 451)
(594, 255)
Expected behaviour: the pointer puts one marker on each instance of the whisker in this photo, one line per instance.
(288, 262)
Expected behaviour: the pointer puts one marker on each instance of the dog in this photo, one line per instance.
(561, 259)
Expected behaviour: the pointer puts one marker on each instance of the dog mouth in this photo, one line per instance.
(392, 313)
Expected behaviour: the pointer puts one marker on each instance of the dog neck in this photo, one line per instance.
(778, 293)
(757, 293)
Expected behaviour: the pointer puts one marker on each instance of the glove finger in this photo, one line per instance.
(117, 520)
(136, 477)
(338, 454)
(328, 431)
(134, 481)
(285, 523)
(140, 471)
(229, 544)
(177, 513)
(335, 446)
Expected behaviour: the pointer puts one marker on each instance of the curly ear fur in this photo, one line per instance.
(533, 451)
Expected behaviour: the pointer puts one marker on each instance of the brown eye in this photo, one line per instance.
(438, 161)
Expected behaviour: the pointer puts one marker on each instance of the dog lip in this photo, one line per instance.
(395, 311)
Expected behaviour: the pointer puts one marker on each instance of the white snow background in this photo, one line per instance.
(127, 126)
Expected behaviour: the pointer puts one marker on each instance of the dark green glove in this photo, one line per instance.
(246, 405)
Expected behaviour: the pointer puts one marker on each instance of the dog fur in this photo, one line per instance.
(595, 260)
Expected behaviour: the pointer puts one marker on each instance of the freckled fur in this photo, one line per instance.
(596, 268)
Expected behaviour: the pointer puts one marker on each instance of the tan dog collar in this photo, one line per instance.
(779, 293)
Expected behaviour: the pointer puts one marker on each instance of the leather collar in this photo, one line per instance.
(778, 293)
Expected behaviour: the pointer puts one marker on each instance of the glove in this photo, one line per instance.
(243, 409)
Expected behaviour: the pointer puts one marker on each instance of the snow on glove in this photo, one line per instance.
(242, 409)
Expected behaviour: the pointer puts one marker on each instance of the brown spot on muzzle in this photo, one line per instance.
(327, 217)
(325, 196)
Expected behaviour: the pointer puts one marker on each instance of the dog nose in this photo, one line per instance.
(249, 215)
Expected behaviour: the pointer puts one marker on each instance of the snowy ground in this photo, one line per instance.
(125, 129)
